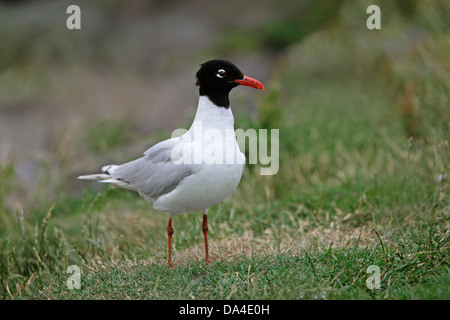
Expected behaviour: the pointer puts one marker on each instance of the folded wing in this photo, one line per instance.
(152, 175)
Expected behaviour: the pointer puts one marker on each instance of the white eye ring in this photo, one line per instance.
(221, 73)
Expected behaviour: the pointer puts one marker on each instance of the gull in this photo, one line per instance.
(198, 169)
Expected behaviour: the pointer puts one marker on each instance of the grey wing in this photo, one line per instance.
(155, 173)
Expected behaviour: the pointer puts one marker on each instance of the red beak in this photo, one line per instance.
(250, 82)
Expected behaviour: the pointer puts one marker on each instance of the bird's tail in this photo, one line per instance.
(106, 177)
(95, 177)
(102, 177)
(107, 171)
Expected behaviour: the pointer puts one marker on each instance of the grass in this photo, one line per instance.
(363, 180)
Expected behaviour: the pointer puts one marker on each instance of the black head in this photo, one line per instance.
(216, 78)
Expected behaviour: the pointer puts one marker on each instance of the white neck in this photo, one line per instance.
(212, 116)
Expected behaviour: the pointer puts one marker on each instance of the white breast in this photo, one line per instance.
(217, 163)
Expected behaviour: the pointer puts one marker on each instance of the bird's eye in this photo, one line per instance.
(221, 73)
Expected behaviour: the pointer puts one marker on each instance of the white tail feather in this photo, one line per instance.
(101, 176)
(95, 177)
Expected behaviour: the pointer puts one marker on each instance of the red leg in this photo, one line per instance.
(170, 233)
(205, 234)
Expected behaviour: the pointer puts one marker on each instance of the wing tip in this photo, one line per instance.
(107, 168)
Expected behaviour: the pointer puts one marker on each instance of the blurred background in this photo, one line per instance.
(128, 74)
(363, 114)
